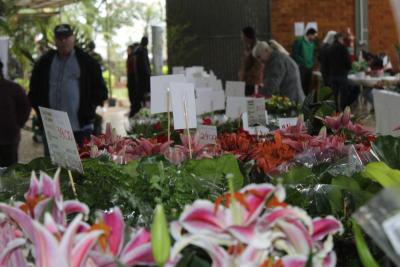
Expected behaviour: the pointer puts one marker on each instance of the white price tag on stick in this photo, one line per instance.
(286, 122)
(60, 139)
(392, 229)
(159, 93)
(207, 134)
(183, 98)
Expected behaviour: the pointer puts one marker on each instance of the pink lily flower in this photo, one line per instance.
(47, 190)
(338, 122)
(111, 248)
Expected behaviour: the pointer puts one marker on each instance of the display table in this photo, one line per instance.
(387, 112)
(368, 81)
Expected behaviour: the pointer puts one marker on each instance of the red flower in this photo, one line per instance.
(157, 127)
(207, 121)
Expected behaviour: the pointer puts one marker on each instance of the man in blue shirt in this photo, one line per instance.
(70, 80)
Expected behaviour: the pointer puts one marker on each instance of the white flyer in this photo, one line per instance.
(159, 93)
(299, 29)
(235, 88)
(261, 129)
(207, 134)
(392, 229)
(216, 85)
(256, 111)
(183, 105)
(60, 139)
(286, 122)
(218, 100)
(204, 101)
(235, 106)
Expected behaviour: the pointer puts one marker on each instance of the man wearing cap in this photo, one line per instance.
(70, 80)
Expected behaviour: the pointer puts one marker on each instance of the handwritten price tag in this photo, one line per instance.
(60, 139)
(207, 134)
(286, 122)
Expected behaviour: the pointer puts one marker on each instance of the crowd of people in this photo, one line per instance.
(70, 79)
(269, 68)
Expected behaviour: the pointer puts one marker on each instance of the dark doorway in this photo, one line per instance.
(207, 32)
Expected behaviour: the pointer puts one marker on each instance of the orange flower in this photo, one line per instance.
(103, 238)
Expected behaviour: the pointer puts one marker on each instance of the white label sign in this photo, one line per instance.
(392, 229)
(286, 122)
(183, 98)
(60, 139)
(234, 88)
(257, 129)
(256, 111)
(216, 85)
(204, 101)
(299, 29)
(218, 100)
(159, 95)
(207, 134)
(235, 106)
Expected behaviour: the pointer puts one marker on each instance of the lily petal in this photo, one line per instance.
(115, 221)
(23, 220)
(6, 254)
(75, 206)
(82, 248)
(138, 239)
(326, 226)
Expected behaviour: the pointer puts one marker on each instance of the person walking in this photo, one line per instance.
(142, 76)
(303, 54)
(324, 56)
(282, 76)
(130, 74)
(251, 69)
(68, 79)
(340, 65)
(14, 112)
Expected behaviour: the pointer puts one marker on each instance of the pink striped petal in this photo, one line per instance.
(297, 236)
(46, 185)
(115, 221)
(33, 190)
(23, 220)
(290, 213)
(256, 200)
(330, 260)
(243, 233)
(141, 237)
(200, 217)
(50, 224)
(81, 250)
(75, 206)
(41, 207)
(218, 255)
(294, 261)
(11, 247)
(46, 248)
(67, 241)
(326, 226)
(141, 255)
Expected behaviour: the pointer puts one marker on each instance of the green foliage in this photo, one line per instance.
(136, 187)
(363, 251)
(387, 148)
(381, 173)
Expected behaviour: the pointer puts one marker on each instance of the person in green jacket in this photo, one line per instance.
(303, 54)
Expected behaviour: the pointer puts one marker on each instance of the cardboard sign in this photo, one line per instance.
(183, 98)
(218, 100)
(204, 101)
(198, 90)
(234, 88)
(235, 106)
(159, 85)
(60, 139)
(286, 122)
(178, 70)
(207, 134)
(256, 111)
(261, 129)
(202, 82)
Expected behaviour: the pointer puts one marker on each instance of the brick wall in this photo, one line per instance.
(382, 29)
(329, 14)
(334, 15)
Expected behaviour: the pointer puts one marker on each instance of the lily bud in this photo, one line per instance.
(160, 239)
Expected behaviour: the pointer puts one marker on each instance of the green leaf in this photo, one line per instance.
(363, 251)
(387, 149)
(131, 168)
(217, 168)
(380, 172)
